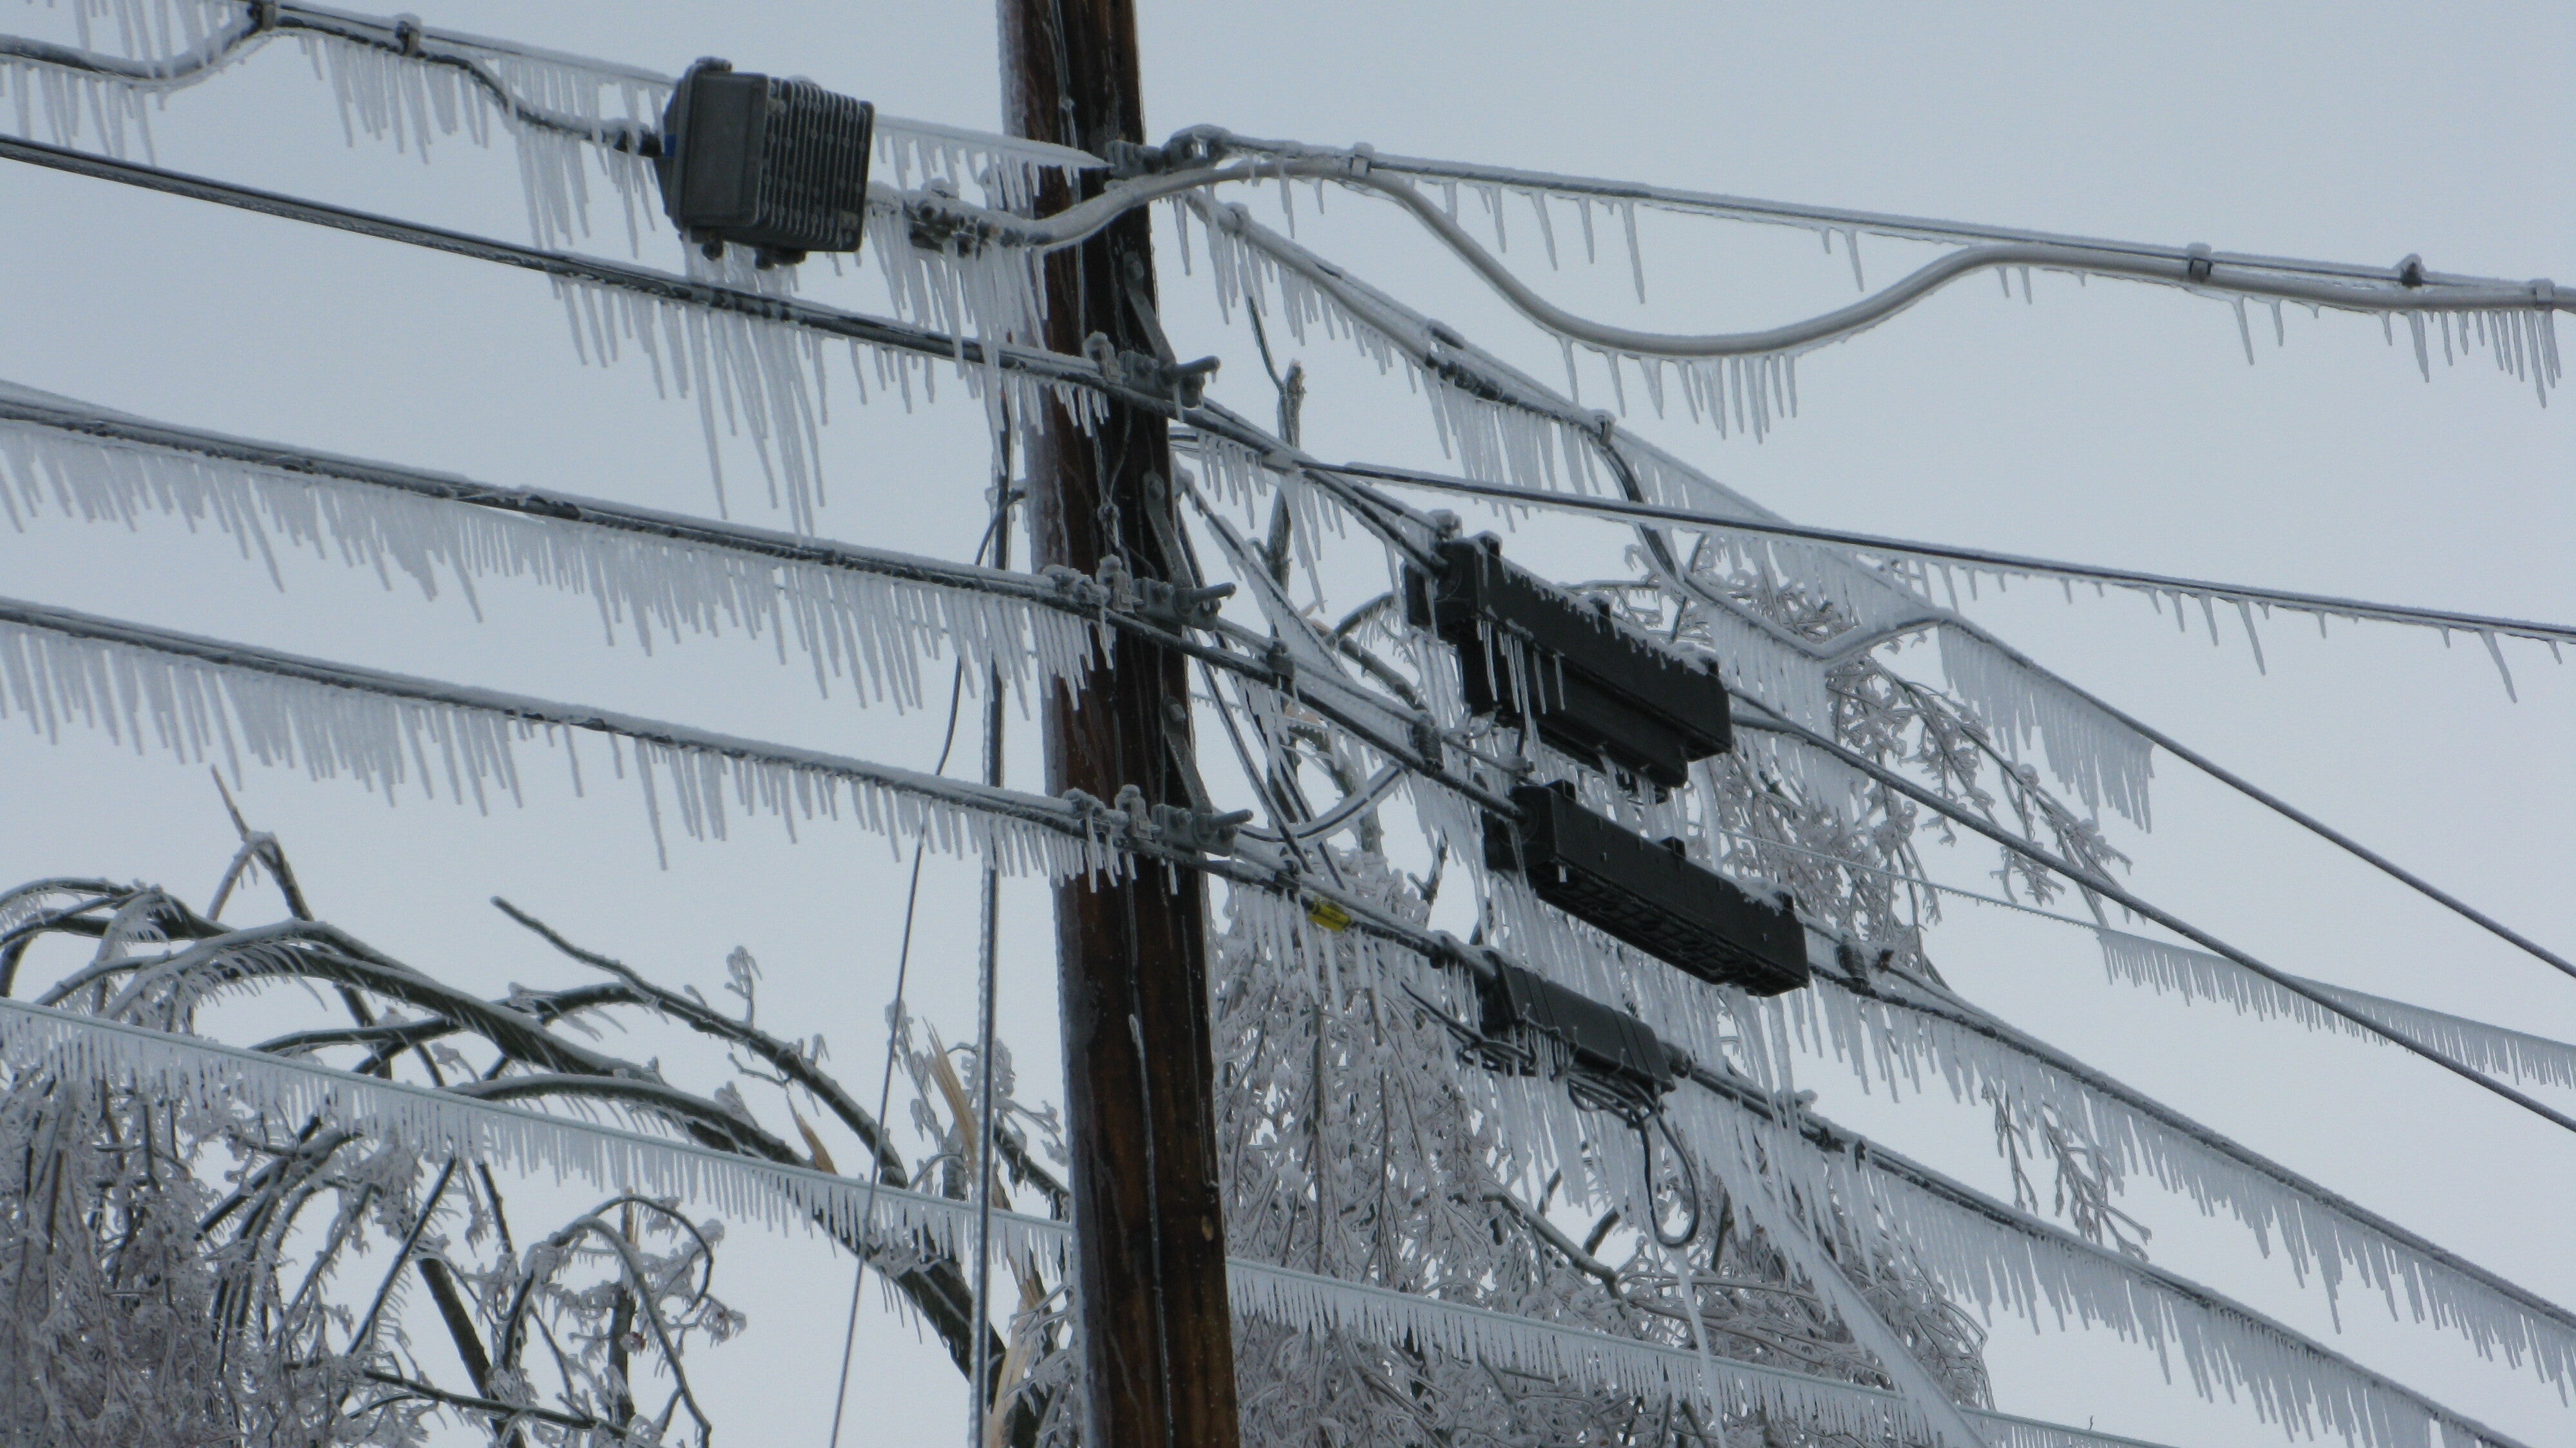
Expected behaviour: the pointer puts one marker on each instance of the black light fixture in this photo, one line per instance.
(1595, 688)
(1647, 894)
(777, 165)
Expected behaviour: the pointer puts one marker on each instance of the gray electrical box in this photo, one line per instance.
(759, 161)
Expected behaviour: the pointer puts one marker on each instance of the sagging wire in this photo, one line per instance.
(996, 540)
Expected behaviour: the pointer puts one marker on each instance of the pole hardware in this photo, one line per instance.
(778, 165)
(1649, 894)
(1594, 687)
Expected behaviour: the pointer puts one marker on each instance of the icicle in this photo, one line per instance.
(2091, 753)
(773, 370)
(197, 709)
(873, 627)
(2195, 975)
(1900, 1048)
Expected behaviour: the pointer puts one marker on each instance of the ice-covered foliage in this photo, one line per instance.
(1357, 1149)
(158, 1183)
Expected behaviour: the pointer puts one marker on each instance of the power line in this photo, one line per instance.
(2094, 882)
(1820, 218)
(1069, 370)
(686, 1168)
(1444, 355)
(1982, 560)
(471, 56)
(1391, 521)
(1049, 814)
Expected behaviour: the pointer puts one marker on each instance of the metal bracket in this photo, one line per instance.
(1178, 607)
(1183, 382)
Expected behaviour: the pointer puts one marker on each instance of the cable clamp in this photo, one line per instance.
(1116, 584)
(1427, 744)
(1097, 816)
(1183, 382)
(1200, 832)
(1075, 587)
(2196, 261)
(938, 220)
(2410, 272)
(407, 35)
(1197, 832)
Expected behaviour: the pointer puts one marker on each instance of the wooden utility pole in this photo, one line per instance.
(1132, 956)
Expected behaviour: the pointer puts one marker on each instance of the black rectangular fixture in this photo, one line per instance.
(1597, 689)
(1595, 1039)
(760, 161)
(1647, 894)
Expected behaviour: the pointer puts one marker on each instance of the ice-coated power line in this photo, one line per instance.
(87, 684)
(2527, 347)
(201, 697)
(406, 37)
(1773, 722)
(1984, 560)
(861, 611)
(1864, 1155)
(1822, 219)
(2380, 1246)
(1067, 378)
(472, 56)
(2198, 272)
(1474, 391)
(743, 1186)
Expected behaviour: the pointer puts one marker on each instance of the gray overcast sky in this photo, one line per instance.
(2111, 423)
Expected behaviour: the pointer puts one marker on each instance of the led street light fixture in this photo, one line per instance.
(1595, 687)
(755, 160)
(1649, 895)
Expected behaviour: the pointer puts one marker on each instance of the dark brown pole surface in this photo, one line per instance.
(1131, 957)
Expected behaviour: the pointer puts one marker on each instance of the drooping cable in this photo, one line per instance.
(979, 1386)
(620, 1159)
(894, 1035)
(1806, 217)
(472, 56)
